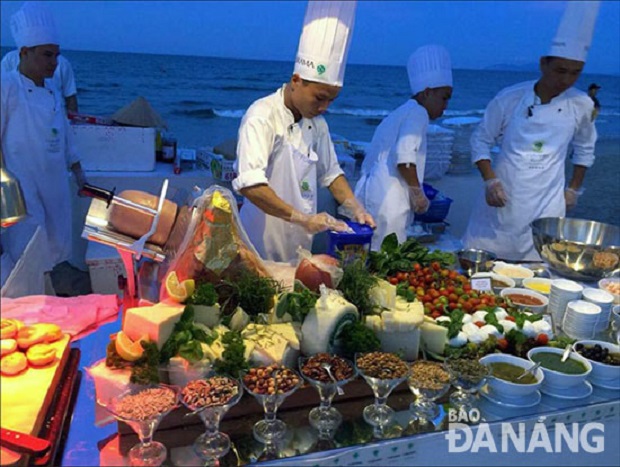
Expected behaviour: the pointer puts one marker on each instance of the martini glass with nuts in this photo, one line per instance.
(210, 399)
(467, 376)
(382, 371)
(428, 382)
(270, 385)
(327, 373)
(142, 408)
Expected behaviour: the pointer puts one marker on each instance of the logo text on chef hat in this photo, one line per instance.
(305, 62)
(526, 437)
(321, 69)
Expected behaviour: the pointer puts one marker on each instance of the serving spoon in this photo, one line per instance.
(529, 371)
(328, 368)
(566, 353)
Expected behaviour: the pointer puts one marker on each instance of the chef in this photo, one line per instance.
(284, 148)
(534, 124)
(34, 131)
(393, 169)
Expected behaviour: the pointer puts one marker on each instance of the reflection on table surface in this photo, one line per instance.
(88, 444)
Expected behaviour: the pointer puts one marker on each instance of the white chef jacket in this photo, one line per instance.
(63, 78)
(37, 149)
(268, 136)
(534, 141)
(399, 139)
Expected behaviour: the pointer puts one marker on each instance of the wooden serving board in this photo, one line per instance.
(25, 398)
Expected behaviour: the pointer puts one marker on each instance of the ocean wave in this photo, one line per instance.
(461, 113)
(196, 113)
(229, 113)
(359, 112)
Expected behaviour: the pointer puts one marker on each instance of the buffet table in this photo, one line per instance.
(87, 444)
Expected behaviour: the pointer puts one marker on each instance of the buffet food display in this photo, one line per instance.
(225, 326)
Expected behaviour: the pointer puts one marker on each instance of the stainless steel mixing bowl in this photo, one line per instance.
(473, 261)
(576, 248)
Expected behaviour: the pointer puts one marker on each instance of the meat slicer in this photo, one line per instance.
(140, 258)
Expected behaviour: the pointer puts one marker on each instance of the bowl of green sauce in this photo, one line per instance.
(505, 370)
(558, 374)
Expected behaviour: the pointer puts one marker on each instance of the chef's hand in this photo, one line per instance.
(80, 177)
(354, 210)
(495, 194)
(571, 197)
(315, 223)
(417, 200)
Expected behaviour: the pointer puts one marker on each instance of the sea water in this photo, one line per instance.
(202, 99)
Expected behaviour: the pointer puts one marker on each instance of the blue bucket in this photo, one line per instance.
(350, 246)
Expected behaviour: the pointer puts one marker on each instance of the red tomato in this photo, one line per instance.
(502, 344)
(542, 339)
(393, 280)
(468, 307)
(479, 324)
(436, 314)
(436, 266)
(427, 298)
(510, 318)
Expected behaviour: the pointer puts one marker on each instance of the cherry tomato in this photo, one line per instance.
(393, 280)
(480, 323)
(510, 318)
(502, 344)
(436, 314)
(436, 266)
(542, 339)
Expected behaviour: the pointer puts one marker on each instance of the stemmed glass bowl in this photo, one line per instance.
(143, 407)
(270, 385)
(467, 376)
(383, 372)
(210, 399)
(325, 418)
(428, 382)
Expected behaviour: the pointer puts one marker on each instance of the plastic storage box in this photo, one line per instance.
(350, 246)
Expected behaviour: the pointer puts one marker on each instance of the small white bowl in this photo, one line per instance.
(538, 284)
(538, 309)
(604, 284)
(602, 371)
(615, 317)
(557, 379)
(505, 279)
(506, 388)
(514, 271)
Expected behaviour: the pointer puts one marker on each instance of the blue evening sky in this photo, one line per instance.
(477, 33)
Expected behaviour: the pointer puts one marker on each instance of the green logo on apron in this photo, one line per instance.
(538, 146)
(321, 69)
(305, 186)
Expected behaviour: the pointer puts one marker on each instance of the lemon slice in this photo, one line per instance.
(179, 291)
(129, 350)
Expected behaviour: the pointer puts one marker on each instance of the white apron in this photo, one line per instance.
(385, 195)
(34, 145)
(531, 168)
(293, 177)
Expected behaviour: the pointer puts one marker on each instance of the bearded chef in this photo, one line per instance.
(34, 130)
(393, 170)
(284, 148)
(535, 123)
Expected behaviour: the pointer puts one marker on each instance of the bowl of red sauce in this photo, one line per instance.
(526, 299)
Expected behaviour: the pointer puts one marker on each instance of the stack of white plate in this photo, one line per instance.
(581, 319)
(562, 292)
(461, 150)
(604, 300)
(439, 142)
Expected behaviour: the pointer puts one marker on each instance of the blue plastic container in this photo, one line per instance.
(350, 246)
(437, 211)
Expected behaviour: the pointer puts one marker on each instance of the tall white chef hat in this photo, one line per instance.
(574, 35)
(324, 42)
(32, 25)
(429, 67)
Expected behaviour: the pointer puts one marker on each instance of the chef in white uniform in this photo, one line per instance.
(393, 170)
(34, 131)
(63, 79)
(534, 124)
(284, 148)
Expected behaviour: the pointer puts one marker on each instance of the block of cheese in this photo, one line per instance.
(273, 343)
(136, 223)
(434, 337)
(207, 315)
(157, 321)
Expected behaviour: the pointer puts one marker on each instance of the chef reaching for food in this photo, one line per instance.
(534, 124)
(393, 170)
(35, 133)
(284, 148)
